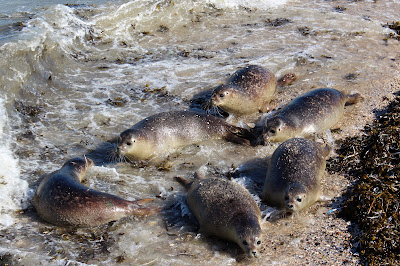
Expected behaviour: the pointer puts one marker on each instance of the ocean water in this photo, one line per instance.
(74, 74)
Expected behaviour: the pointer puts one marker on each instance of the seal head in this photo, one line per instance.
(278, 129)
(249, 234)
(296, 197)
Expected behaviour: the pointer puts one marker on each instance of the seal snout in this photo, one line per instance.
(253, 252)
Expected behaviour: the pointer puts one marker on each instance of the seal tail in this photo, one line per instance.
(353, 98)
(287, 79)
(136, 209)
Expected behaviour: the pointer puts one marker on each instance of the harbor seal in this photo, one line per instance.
(225, 209)
(62, 200)
(294, 174)
(249, 90)
(160, 133)
(313, 112)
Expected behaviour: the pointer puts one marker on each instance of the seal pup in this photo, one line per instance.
(225, 209)
(249, 90)
(160, 133)
(313, 112)
(62, 200)
(295, 169)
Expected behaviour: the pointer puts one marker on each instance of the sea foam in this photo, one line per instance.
(260, 4)
(13, 190)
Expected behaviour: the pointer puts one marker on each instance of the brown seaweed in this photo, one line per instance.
(373, 161)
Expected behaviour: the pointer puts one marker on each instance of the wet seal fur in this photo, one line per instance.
(295, 169)
(225, 209)
(313, 112)
(158, 134)
(62, 200)
(249, 90)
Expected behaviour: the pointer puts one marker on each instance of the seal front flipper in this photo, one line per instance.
(277, 215)
(323, 198)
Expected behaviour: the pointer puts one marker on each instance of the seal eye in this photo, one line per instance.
(272, 131)
(299, 199)
(259, 242)
(245, 242)
(129, 143)
(221, 95)
(286, 198)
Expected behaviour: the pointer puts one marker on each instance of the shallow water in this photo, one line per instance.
(74, 77)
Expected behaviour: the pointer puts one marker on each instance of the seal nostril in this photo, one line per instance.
(290, 206)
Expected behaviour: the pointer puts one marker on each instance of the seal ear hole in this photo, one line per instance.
(245, 243)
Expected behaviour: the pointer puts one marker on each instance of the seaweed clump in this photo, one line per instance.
(374, 200)
(395, 26)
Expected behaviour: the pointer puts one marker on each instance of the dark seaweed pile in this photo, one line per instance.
(395, 26)
(373, 203)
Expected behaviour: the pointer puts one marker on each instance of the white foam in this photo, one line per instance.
(13, 190)
(260, 4)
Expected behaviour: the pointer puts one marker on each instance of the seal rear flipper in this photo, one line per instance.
(142, 201)
(136, 209)
(287, 79)
(353, 98)
(235, 139)
(183, 181)
(239, 135)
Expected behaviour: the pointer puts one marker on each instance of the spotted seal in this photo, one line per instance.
(225, 209)
(249, 90)
(313, 112)
(62, 200)
(294, 174)
(163, 132)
